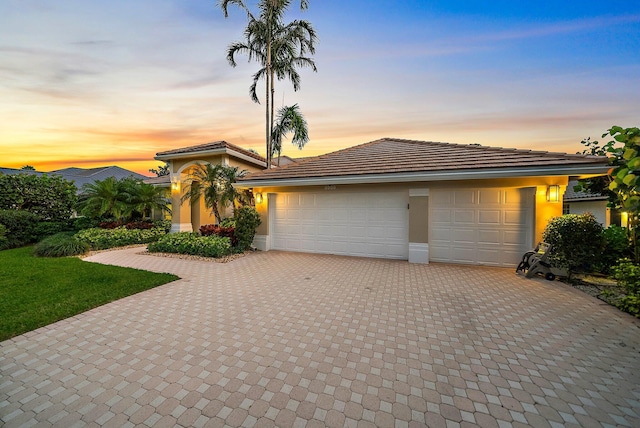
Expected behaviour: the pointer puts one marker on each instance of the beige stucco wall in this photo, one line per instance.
(597, 208)
(186, 216)
(543, 211)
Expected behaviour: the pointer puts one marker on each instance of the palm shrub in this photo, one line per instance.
(577, 241)
(193, 244)
(60, 245)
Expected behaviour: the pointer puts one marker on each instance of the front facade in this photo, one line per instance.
(417, 201)
(186, 216)
(402, 199)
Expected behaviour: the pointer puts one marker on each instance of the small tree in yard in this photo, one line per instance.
(577, 241)
(51, 198)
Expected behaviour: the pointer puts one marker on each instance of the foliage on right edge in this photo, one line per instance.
(628, 276)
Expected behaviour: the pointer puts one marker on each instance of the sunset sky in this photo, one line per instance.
(92, 83)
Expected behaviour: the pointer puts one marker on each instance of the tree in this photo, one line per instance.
(28, 168)
(108, 198)
(51, 198)
(289, 119)
(162, 170)
(147, 197)
(622, 182)
(279, 47)
(214, 184)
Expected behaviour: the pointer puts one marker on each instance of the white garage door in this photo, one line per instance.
(373, 224)
(481, 226)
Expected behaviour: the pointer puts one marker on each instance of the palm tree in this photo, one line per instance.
(279, 47)
(147, 197)
(214, 184)
(289, 119)
(105, 198)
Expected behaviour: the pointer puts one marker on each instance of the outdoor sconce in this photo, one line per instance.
(175, 185)
(258, 197)
(553, 193)
(624, 219)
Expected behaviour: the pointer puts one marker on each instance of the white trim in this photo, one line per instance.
(181, 227)
(418, 253)
(471, 174)
(261, 242)
(418, 192)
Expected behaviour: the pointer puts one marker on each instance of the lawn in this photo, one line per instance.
(37, 291)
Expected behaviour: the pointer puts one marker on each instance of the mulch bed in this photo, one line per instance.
(601, 287)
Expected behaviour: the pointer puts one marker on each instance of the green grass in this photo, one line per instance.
(37, 291)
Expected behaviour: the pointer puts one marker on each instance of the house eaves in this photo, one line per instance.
(407, 177)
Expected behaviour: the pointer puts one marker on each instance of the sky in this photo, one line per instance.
(90, 83)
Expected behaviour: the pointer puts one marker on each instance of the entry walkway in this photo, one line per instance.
(284, 339)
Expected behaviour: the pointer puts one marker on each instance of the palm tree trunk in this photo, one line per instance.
(273, 90)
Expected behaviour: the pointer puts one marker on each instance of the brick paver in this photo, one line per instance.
(286, 339)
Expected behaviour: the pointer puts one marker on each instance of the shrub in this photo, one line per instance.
(247, 219)
(139, 225)
(20, 227)
(163, 224)
(577, 241)
(616, 246)
(628, 276)
(109, 224)
(192, 243)
(4, 242)
(82, 223)
(100, 239)
(228, 222)
(49, 197)
(60, 245)
(48, 228)
(225, 232)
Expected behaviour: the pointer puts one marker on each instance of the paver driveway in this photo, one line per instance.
(284, 339)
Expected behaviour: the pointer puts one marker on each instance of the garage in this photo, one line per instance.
(481, 226)
(365, 224)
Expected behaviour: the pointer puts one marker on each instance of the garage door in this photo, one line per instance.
(481, 226)
(371, 224)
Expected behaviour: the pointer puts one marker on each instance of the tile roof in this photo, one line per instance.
(572, 195)
(217, 145)
(390, 155)
(158, 181)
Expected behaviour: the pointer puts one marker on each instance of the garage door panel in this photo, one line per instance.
(489, 216)
(464, 216)
(489, 197)
(500, 232)
(464, 197)
(364, 224)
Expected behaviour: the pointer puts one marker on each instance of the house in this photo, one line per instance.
(401, 199)
(81, 176)
(594, 203)
(186, 217)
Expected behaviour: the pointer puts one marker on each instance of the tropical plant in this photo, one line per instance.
(576, 240)
(162, 170)
(628, 276)
(280, 48)
(144, 198)
(100, 239)
(28, 168)
(192, 243)
(214, 183)
(51, 198)
(108, 198)
(289, 119)
(62, 244)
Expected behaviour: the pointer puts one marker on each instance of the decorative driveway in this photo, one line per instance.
(285, 339)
